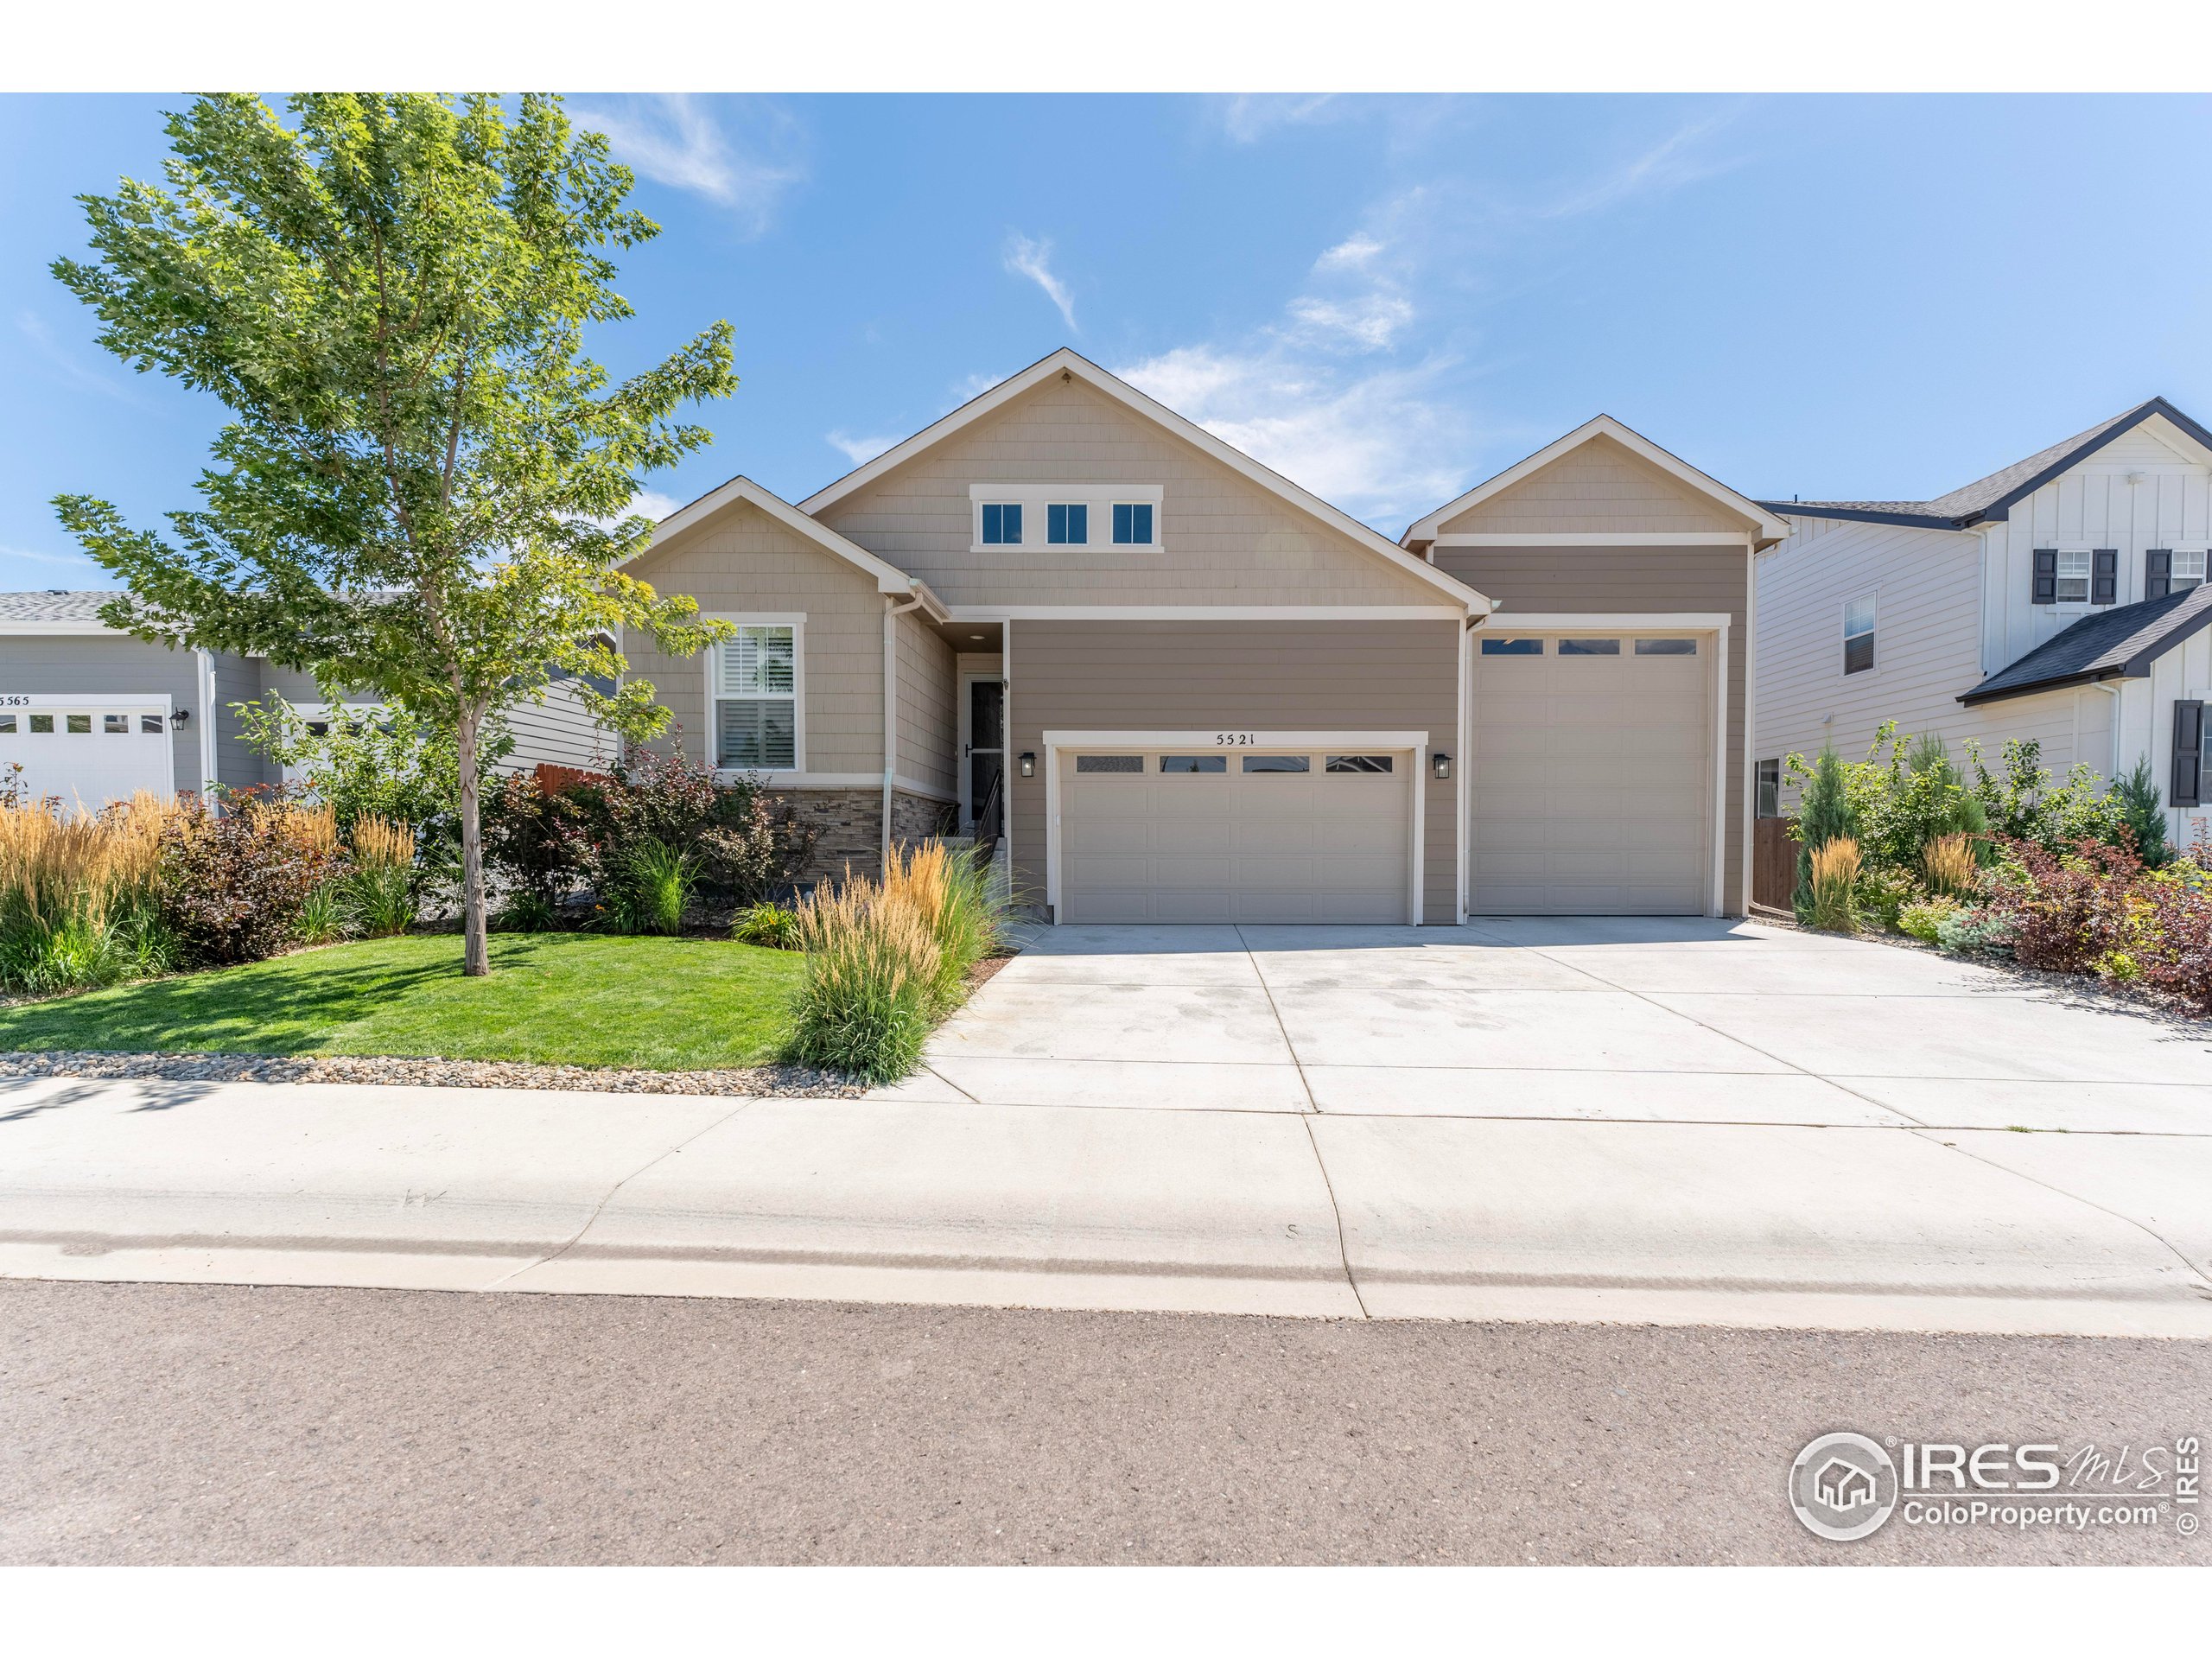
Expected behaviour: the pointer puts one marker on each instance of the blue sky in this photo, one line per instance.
(1389, 298)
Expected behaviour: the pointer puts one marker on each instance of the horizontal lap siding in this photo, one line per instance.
(1260, 676)
(1708, 580)
(1224, 540)
(743, 562)
(926, 742)
(559, 731)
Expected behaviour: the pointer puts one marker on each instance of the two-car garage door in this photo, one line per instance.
(1185, 834)
(87, 750)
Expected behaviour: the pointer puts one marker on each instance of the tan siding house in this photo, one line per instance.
(1202, 694)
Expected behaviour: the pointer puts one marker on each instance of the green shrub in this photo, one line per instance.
(2145, 813)
(1824, 813)
(1968, 931)
(773, 926)
(655, 889)
(322, 917)
(2023, 803)
(527, 912)
(1882, 894)
(1925, 920)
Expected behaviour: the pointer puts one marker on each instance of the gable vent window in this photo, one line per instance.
(1067, 526)
(756, 699)
(1133, 524)
(1002, 524)
(2189, 754)
(1859, 635)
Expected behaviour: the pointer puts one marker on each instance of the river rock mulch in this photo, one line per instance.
(786, 1080)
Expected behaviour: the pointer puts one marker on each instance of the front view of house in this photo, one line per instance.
(1185, 690)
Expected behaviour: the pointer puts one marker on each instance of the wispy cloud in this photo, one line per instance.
(1031, 259)
(1677, 160)
(677, 139)
(76, 565)
(860, 448)
(654, 503)
(65, 363)
(1247, 118)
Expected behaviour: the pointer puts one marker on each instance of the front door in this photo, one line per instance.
(986, 756)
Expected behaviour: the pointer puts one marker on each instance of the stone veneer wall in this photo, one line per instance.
(849, 823)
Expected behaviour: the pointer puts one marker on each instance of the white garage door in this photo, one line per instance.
(1191, 836)
(86, 752)
(1591, 786)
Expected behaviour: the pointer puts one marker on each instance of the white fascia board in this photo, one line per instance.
(1069, 362)
(1208, 613)
(889, 579)
(1519, 622)
(1603, 426)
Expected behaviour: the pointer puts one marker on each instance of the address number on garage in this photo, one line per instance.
(1236, 740)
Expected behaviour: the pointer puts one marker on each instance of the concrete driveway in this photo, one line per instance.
(1542, 1116)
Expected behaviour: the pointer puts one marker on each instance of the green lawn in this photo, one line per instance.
(567, 999)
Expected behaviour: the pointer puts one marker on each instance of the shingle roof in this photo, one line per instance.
(55, 604)
(2118, 644)
(1991, 497)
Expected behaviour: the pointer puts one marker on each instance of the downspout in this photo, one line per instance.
(208, 778)
(891, 614)
(2119, 702)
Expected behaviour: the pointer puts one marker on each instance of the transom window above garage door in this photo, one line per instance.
(1589, 647)
(1109, 763)
(1666, 647)
(1277, 762)
(1194, 763)
(1513, 647)
(1344, 763)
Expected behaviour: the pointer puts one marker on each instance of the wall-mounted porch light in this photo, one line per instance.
(178, 716)
(1028, 763)
(1441, 764)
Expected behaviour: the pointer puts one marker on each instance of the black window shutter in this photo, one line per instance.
(2189, 753)
(2157, 572)
(2046, 587)
(2104, 575)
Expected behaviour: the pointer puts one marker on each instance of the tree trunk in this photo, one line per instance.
(476, 949)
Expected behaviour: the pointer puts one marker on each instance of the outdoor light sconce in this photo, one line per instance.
(178, 716)
(1028, 763)
(1442, 766)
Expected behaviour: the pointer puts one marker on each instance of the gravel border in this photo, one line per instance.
(759, 1081)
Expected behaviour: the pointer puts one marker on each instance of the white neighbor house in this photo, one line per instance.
(2060, 599)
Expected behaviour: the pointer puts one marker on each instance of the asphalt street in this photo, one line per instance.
(164, 1423)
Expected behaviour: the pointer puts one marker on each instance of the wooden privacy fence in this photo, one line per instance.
(1774, 862)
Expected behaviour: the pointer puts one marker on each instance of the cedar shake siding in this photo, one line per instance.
(1348, 675)
(1715, 579)
(1221, 539)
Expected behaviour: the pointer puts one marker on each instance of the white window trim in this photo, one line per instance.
(2089, 580)
(1872, 596)
(1036, 501)
(796, 621)
(2174, 554)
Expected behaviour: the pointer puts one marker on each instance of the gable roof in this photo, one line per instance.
(55, 604)
(1068, 362)
(1992, 498)
(2117, 643)
(1603, 426)
(889, 579)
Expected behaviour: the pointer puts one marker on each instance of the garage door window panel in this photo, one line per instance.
(1189, 764)
(1276, 763)
(1589, 647)
(1666, 647)
(1109, 763)
(1513, 647)
(1352, 765)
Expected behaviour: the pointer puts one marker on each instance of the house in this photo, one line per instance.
(2060, 599)
(1202, 693)
(1843, 1485)
(93, 715)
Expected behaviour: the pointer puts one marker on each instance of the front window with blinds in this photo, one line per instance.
(756, 698)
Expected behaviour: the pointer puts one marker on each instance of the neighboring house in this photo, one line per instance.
(93, 715)
(2060, 599)
(1209, 696)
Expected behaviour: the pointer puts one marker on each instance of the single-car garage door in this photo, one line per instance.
(86, 751)
(1169, 835)
(1591, 781)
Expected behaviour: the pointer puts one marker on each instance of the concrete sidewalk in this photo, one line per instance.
(1837, 1220)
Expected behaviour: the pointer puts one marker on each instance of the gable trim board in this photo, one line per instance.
(889, 579)
(1627, 541)
(1067, 362)
(1206, 612)
(1763, 525)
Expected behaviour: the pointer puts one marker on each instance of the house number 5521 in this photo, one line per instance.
(1236, 740)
